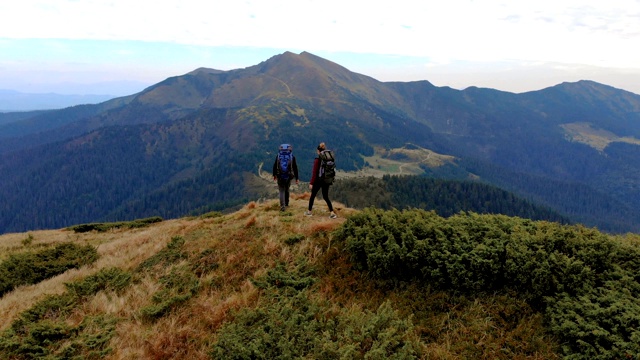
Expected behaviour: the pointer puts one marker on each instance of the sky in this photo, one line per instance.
(119, 47)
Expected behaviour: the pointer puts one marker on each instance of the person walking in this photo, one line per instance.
(284, 170)
(321, 179)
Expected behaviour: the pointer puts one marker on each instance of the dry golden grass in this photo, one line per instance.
(597, 138)
(243, 245)
(247, 243)
(121, 248)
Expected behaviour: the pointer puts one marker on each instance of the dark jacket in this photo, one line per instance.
(294, 167)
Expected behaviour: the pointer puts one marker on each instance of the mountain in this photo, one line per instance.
(198, 142)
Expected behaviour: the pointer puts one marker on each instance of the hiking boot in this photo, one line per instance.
(333, 215)
(308, 213)
(281, 208)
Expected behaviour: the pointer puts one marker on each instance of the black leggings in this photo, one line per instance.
(325, 194)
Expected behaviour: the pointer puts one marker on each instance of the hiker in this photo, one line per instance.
(321, 178)
(284, 170)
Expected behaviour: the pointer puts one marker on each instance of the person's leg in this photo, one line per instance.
(314, 192)
(286, 193)
(325, 195)
(282, 189)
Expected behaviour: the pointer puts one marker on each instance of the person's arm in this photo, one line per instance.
(294, 165)
(314, 174)
(275, 169)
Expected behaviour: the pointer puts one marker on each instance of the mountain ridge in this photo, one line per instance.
(182, 129)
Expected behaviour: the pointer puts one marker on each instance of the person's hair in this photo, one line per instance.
(321, 147)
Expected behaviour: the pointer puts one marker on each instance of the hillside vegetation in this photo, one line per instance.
(191, 143)
(263, 284)
(446, 197)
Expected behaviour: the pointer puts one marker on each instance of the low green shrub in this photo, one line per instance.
(106, 226)
(28, 240)
(603, 323)
(32, 267)
(294, 239)
(298, 278)
(288, 324)
(584, 281)
(92, 339)
(171, 254)
(110, 279)
(211, 214)
(180, 285)
(42, 331)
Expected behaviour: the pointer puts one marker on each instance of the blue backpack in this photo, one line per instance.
(285, 162)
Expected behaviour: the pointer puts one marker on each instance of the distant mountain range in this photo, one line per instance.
(196, 142)
(18, 101)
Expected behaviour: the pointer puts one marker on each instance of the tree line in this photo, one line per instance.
(445, 197)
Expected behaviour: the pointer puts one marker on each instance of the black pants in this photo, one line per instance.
(283, 187)
(325, 194)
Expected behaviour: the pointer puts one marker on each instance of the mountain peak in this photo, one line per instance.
(204, 70)
(588, 85)
(591, 92)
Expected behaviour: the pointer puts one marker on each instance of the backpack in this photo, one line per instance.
(327, 166)
(285, 162)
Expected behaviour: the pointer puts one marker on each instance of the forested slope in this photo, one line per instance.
(445, 197)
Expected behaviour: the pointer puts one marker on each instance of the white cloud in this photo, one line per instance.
(591, 33)
(559, 30)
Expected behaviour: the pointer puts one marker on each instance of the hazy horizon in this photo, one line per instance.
(508, 46)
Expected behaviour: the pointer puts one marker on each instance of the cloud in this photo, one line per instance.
(565, 31)
(436, 34)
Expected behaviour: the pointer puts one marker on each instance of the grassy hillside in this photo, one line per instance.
(260, 283)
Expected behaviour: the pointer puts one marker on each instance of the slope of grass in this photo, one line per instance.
(256, 283)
